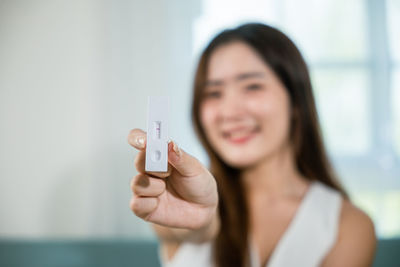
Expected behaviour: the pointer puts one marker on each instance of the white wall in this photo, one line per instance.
(74, 79)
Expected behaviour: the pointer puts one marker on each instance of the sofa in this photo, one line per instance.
(120, 253)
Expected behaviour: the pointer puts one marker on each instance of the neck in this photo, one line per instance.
(275, 176)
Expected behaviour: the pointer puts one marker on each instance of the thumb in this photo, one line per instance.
(184, 163)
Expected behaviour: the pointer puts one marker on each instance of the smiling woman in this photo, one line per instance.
(276, 200)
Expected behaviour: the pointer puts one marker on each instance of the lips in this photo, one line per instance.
(240, 135)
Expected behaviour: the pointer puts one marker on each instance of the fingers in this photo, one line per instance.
(137, 139)
(143, 206)
(184, 163)
(145, 190)
(145, 186)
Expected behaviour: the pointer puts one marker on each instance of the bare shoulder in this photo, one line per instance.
(356, 242)
(355, 222)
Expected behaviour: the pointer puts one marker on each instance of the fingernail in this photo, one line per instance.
(176, 149)
(140, 141)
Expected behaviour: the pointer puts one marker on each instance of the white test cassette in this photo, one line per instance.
(157, 134)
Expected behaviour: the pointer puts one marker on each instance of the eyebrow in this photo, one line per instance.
(240, 77)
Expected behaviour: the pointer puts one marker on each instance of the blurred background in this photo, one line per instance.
(75, 76)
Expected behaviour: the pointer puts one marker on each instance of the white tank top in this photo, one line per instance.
(308, 238)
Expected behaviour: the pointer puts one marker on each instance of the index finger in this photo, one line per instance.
(137, 139)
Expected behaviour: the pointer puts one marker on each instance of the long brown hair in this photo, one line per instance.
(282, 56)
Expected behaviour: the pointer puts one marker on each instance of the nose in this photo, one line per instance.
(231, 107)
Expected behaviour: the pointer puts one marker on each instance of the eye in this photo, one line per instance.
(214, 94)
(254, 87)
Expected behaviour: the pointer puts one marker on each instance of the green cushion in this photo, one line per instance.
(74, 253)
(121, 253)
(388, 253)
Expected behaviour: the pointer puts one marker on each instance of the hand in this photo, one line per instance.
(183, 197)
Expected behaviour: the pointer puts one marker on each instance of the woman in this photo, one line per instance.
(270, 198)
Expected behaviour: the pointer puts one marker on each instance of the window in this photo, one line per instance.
(393, 22)
(353, 52)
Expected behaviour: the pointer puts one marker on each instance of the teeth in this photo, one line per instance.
(238, 134)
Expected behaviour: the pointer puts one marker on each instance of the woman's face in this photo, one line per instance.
(245, 110)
